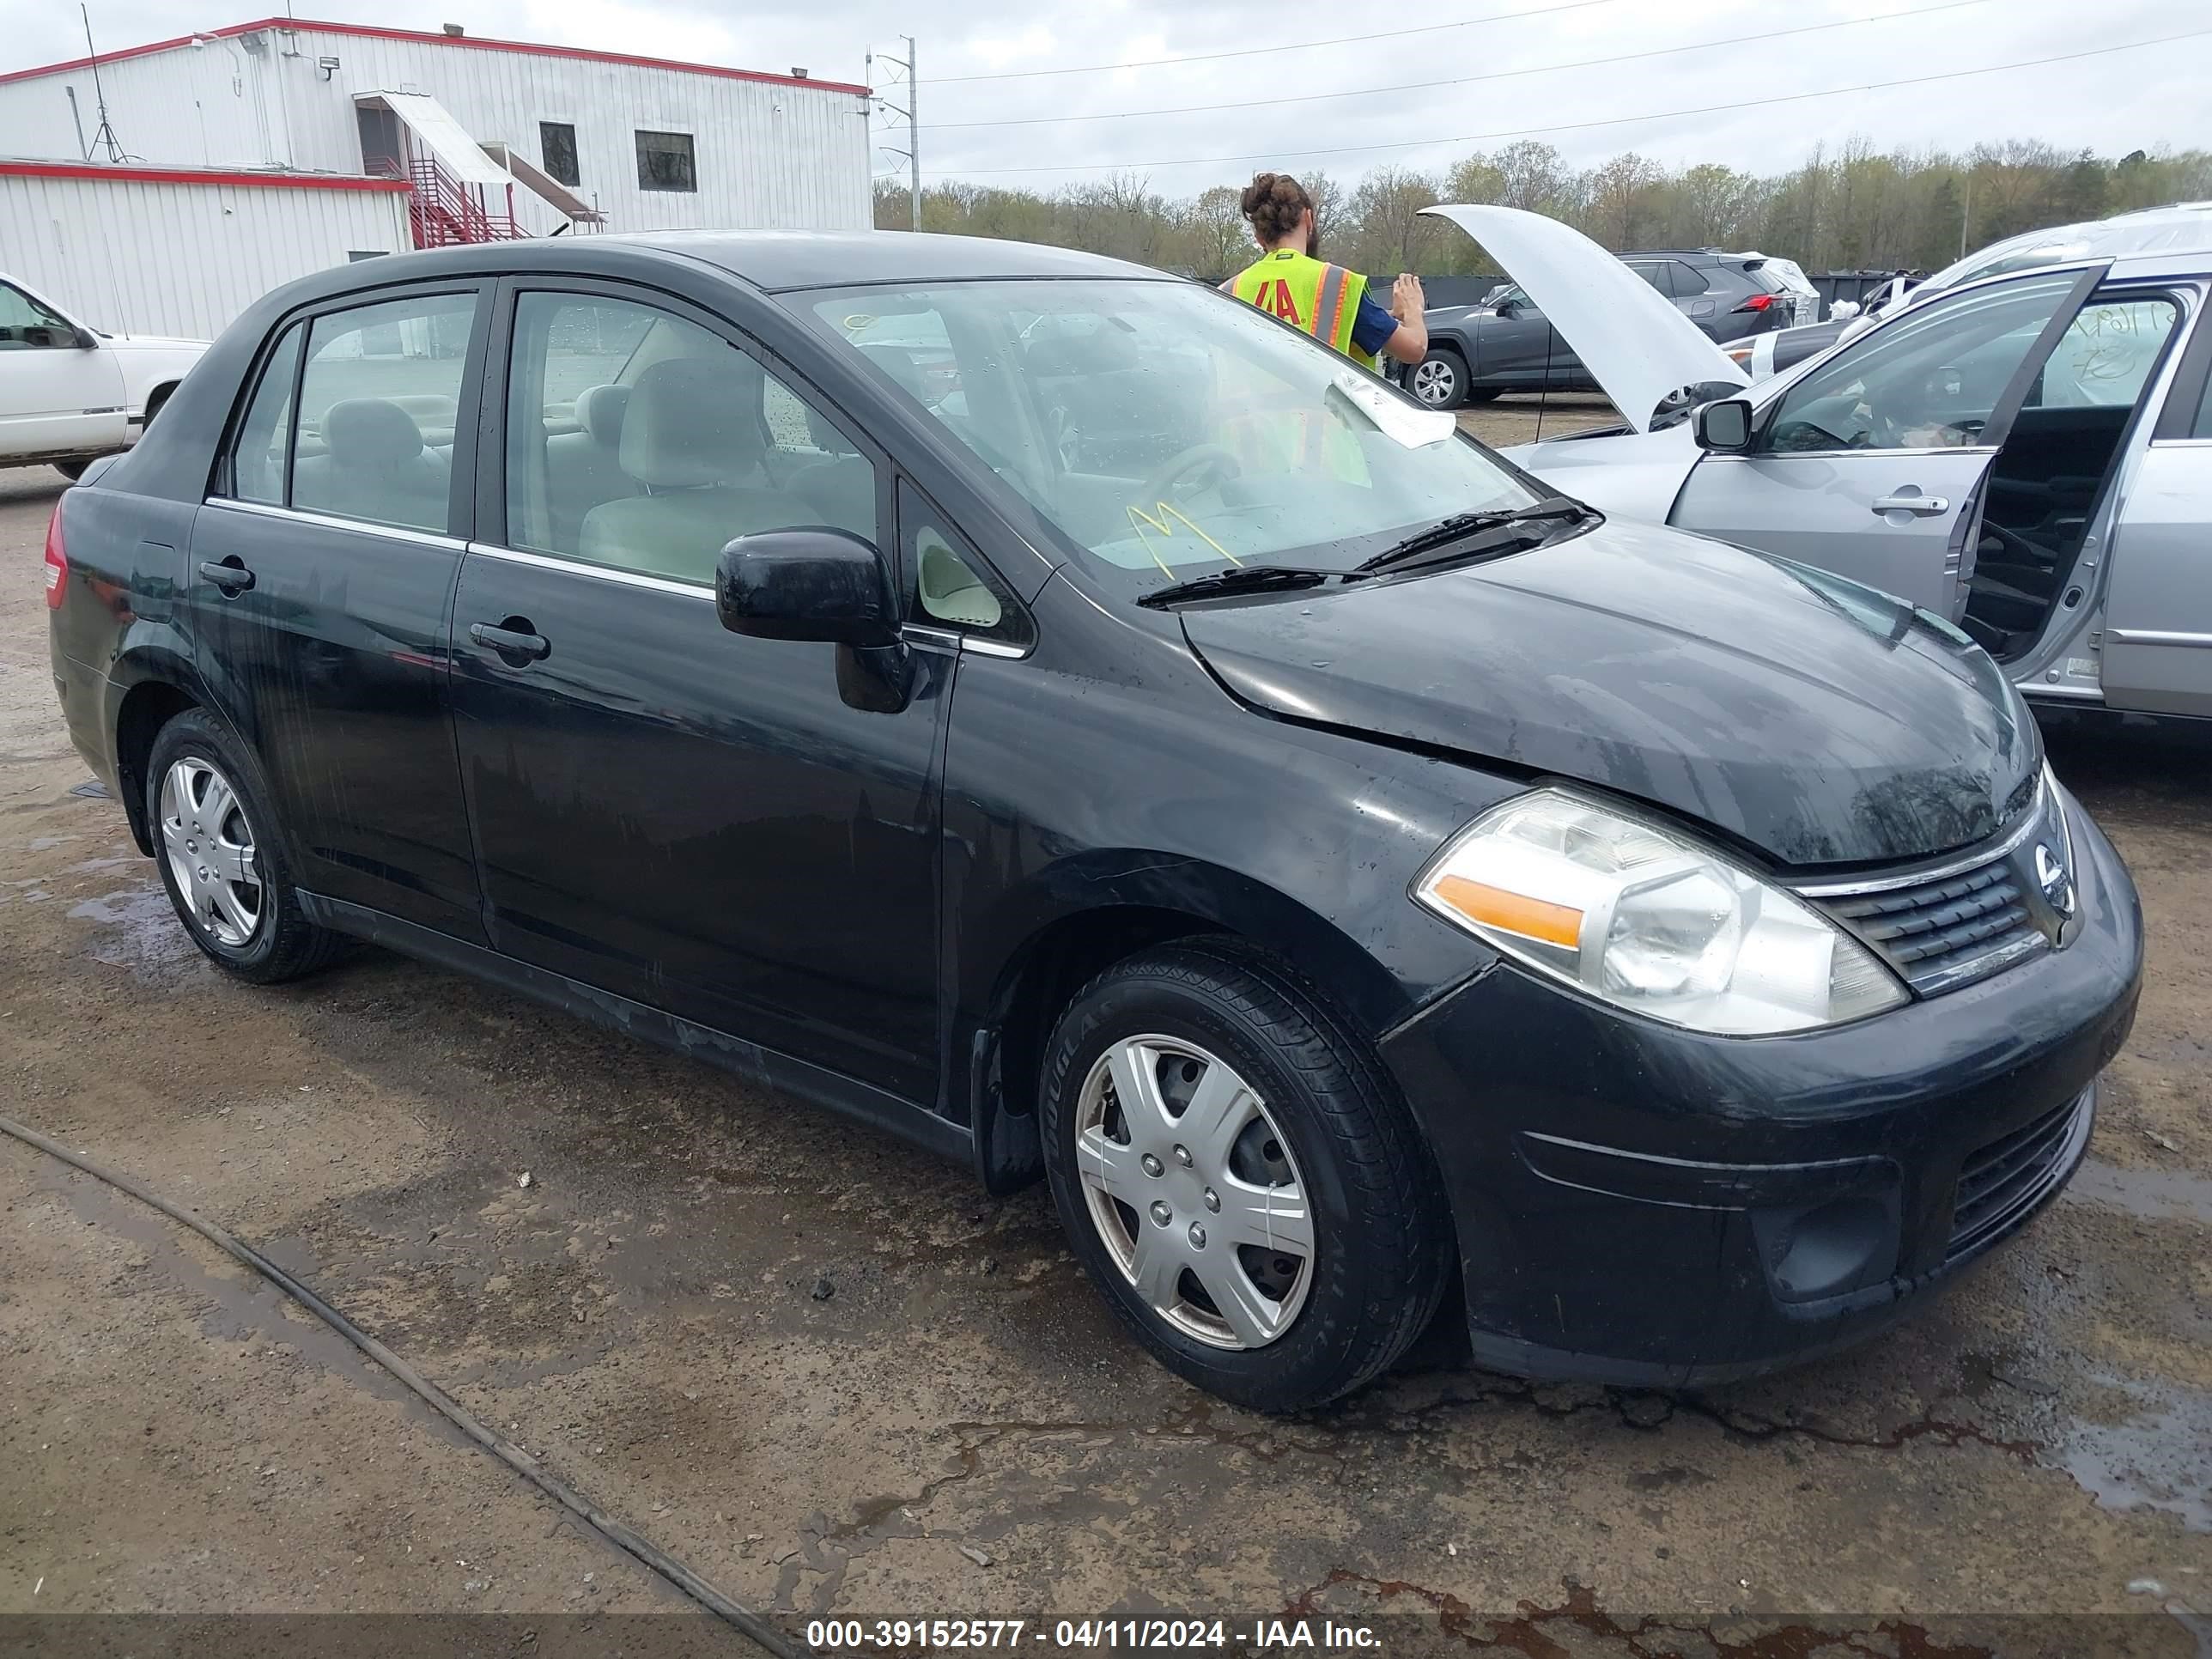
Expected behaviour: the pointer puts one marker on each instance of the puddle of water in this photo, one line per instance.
(2152, 1194)
(139, 930)
(44, 842)
(2160, 1458)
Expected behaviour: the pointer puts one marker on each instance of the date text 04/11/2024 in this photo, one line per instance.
(1154, 1635)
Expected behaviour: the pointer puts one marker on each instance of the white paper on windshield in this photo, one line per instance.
(1416, 428)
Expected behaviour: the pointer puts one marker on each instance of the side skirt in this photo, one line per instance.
(749, 1061)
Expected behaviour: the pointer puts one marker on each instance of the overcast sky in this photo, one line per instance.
(2111, 103)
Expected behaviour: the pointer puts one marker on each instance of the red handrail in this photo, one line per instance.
(441, 211)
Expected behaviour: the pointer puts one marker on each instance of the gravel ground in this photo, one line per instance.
(959, 1428)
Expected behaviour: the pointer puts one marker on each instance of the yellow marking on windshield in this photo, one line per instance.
(1140, 519)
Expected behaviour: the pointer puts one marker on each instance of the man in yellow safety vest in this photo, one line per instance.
(1328, 302)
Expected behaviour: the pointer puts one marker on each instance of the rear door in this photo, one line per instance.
(2158, 610)
(1871, 465)
(740, 831)
(56, 396)
(321, 575)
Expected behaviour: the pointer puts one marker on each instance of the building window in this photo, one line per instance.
(556, 148)
(663, 161)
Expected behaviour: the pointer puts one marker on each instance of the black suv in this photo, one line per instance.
(1073, 720)
(1476, 352)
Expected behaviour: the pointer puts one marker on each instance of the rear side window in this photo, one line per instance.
(265, 437)
(2106, 354)
(379, 398)
(1688, 279)
(637, 439)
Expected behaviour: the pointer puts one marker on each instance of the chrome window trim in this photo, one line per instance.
(1875, 454)
(1987, 852)
(597, 572)
(2181, 443)
(982, 647)
(331, 521)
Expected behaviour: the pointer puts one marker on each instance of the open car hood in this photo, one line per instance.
(1813, 718)
(1641, 350)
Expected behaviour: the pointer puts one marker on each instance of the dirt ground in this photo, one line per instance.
(959, 1428)
(1523, 419)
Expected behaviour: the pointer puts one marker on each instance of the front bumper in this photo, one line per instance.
(1641, 1205)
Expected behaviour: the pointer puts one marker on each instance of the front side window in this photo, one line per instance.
(640, 440)
(1165, 431)
(378, 396)
(556, 145)
(265, 437)
(27, 324)
(663, 161)
(1931, 379)
(2106, 354)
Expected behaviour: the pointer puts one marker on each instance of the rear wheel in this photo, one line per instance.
(1235, 1171)
(221, 866)
(1440, 380)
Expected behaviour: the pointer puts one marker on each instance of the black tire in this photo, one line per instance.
(1440, 380)
(1485, 394)
(154, 402)
(1381, 1231)
(283, 944)
(73, 470)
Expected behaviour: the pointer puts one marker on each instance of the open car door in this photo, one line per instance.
(1871, 465)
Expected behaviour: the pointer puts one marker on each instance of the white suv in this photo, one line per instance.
(68, 393)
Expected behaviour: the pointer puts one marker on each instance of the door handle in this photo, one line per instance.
(230, 574)
(1923, 506)
(511, 639)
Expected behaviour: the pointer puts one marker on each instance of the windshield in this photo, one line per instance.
(1166, 432)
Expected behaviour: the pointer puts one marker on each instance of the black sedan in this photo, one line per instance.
(1354, 877)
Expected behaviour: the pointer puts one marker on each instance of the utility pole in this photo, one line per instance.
(913, 151)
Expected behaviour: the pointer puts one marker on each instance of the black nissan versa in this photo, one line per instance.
(1351, 874)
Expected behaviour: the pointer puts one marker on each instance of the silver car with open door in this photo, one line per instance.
(2028, 456)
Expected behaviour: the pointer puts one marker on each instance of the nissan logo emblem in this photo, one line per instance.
(2051, 875)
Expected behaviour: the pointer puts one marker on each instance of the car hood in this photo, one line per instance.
(1636, 346)
(152, 342)
(1817, 720)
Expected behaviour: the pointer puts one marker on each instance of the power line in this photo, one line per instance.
(1295, 45)
(1467, 80)
(1580, 126)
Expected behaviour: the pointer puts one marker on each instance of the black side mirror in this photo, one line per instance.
(85, 340)
(815, 583)
(1724, 426)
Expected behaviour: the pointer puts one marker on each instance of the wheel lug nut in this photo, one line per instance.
(1183, 1155)
(1161, 1213)
(1197, 1236)
(1214, 1201)
(1151, 1166)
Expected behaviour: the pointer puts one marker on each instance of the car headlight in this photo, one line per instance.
(1629, 911)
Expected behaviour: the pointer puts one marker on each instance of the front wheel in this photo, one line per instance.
(73, 470)
(1440, 380)
(1235, 1171)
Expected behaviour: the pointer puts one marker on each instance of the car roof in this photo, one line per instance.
(781, 259)
(2184, 227)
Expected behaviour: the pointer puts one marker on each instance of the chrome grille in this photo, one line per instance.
(1965, 919)
(2004, 1180)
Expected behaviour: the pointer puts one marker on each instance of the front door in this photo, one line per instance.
(56, 396)
(741, 831)
(322, 572)
(2158, 609)
(1872, 466)
(1520, 346)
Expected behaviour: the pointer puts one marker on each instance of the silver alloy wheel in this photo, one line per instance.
(1194, 1190)
(209, 846)
(1435, 381)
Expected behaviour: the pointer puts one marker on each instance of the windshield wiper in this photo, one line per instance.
(1477, 529)
(1245, 579)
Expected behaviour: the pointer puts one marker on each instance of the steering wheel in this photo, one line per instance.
(1191, 463)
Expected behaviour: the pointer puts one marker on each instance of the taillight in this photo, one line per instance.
(1756, 302)
(57, 561)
